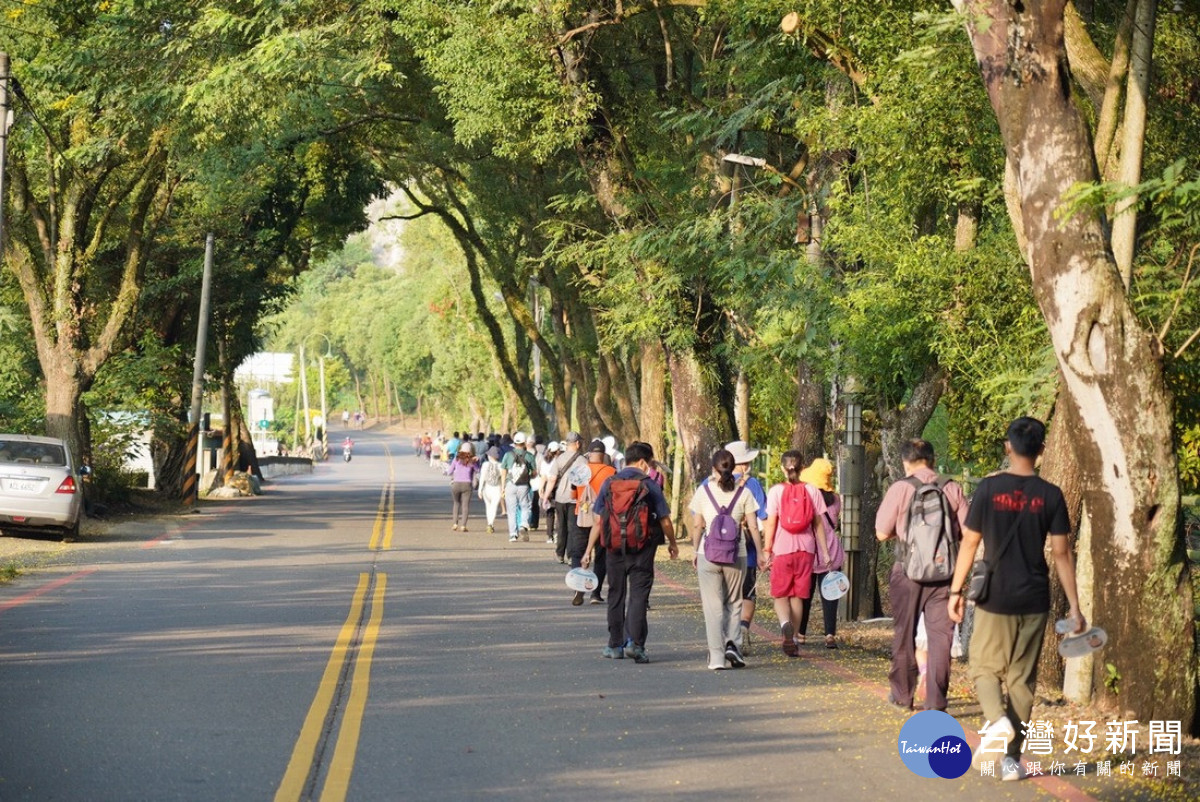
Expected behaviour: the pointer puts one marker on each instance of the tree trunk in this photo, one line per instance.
(653, 418)
(1109, 365)
(900, 424)
(1133, 137)
(229, 455)
(64, 403)
(704, 424)
(619, 393)
(741, 405)
(808, 432)
(362, 405)
(168, 452)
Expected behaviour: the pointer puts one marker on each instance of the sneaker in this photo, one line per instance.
(513, 538)
(597, 598)
(721, 666)
(907, 708)
(638, 653)
(1012, 770)
(996, 737)
(491, 529)
(789, 641)
(525, 533)
(734, 655)
(615, 653)
(577, 599)
(550, 540)
(454, 528)
(463, 529)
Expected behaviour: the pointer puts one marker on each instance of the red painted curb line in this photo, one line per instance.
(49, 586)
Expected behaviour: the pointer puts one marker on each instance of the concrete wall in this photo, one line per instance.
(284, 466)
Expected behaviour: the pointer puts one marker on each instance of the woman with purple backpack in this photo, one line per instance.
(795, 539)
(718, 508)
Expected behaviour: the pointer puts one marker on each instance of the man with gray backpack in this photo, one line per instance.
(925, 514)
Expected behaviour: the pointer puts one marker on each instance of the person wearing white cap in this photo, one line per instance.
(519, 469)
(744, 456)
(563, 493)
(545, 480)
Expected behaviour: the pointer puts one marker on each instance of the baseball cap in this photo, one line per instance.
(597, 447)
(467, 448)
(574, 437)
(493, 452)
(519, 439)
(553, 446)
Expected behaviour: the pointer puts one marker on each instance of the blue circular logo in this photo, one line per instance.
(932, 744)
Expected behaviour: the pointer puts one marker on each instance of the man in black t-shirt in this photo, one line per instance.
(1012, 512)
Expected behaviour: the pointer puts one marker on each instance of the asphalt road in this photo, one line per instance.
(334, 639)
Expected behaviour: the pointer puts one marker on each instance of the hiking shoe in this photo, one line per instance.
(995, 737)
(734, 655)
(638, 653)
(597, 598)
(1012, 770)
(789, 641)
(614, 652)
(577, 599)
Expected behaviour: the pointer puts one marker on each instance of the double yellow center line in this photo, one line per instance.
(300, 778)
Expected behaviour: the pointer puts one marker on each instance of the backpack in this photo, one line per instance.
(724, 532)
(625, 522)
(796, 508)
(587, 501)
(491, 473)
(931, 543)
(519, 471)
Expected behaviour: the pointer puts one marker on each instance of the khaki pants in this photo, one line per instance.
(1004, 654)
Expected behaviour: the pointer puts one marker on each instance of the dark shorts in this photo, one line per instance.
(750, 585)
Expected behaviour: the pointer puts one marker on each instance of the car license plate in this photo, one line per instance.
(24, 485)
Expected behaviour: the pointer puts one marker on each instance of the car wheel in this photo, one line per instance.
(71, 532)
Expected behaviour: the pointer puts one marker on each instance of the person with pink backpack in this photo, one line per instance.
(795, 539)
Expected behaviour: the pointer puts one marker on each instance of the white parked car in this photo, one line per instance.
(40, 484)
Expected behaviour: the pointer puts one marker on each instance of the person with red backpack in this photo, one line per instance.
(719, 507)
(633, 520)
(795, 539)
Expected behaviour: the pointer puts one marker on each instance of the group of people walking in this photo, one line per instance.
(607, 511)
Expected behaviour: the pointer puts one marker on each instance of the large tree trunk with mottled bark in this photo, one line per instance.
(808, 431)
(704, 422)
(652, 419)
(1110, 366)
(899, 424)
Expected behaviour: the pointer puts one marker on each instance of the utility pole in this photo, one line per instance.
(191, 480)
(4, 122)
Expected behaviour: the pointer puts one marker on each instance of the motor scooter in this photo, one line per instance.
(346, 453)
